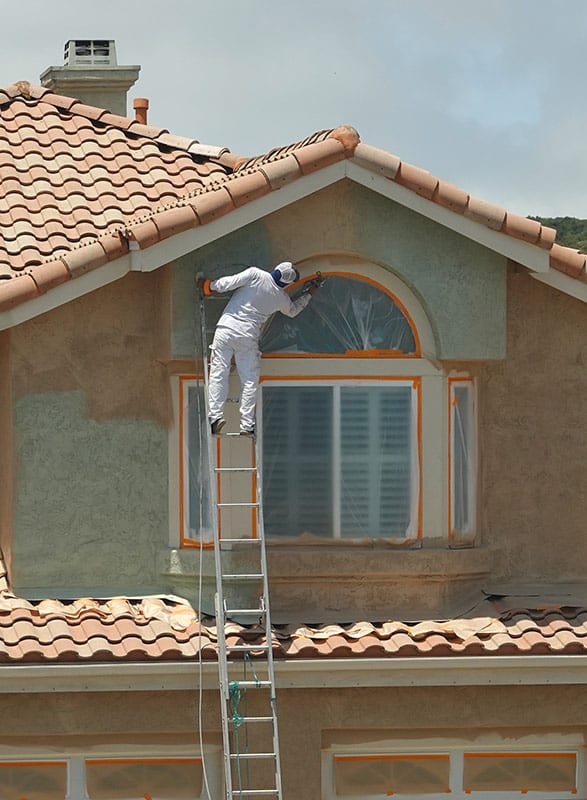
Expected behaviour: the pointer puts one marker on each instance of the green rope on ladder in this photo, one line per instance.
(237, 695)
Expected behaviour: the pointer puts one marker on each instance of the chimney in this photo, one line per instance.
(140, 105)
(91, 73)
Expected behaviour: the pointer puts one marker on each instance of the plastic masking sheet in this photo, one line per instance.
(346, 315)
(33, 781)
(378, 776)
(158, 779)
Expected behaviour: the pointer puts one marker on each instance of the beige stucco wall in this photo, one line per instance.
(533, 437)
(92, 408)
(310, 720)
(107, 344)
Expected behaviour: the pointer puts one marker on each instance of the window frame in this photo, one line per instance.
(456, 754)
(75, 764)
(472, 471)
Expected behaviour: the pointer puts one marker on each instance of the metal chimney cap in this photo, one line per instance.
(88, 52)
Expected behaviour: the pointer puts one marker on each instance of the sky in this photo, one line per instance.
(485, 94)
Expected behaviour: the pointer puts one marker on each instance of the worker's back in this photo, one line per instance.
(256, 297)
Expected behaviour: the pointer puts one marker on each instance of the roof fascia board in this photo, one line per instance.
(303, 673)
(558, 280)
(188, 241)
(65, 292)
(530, 256)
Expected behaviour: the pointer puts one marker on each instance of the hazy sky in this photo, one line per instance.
(489, 95)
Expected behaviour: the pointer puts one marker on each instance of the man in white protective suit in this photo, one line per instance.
(257, 295)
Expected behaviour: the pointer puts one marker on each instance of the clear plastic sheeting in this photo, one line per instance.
(462, 426)
(157, 779)
(197, 488)
(520, 772)
(346, 316)
(340, 461)
(386, 775)
(33, 780)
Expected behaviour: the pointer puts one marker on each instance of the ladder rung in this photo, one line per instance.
(235, 469)
(251, 719)
(243, 576)
(239, 435)
(253, 612)
(248, 540)
(237, 505)
(246, 647)
(236, 756)
(254, 792)
(254, 684)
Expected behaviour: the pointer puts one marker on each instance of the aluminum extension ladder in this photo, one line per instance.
(248, 731)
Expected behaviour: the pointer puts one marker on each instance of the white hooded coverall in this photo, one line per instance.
(237, 334)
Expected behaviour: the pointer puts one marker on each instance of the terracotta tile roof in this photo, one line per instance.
(77, 184)
(156, 629)
(71, 173)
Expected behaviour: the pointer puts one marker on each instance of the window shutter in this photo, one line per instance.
(297, 460)
(376, 461)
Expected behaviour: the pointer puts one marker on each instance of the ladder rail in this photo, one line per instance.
(221, 611)
(268, 628)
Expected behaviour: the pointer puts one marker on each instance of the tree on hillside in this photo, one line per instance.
(570, 231)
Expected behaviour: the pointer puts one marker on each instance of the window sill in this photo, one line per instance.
(375, 582)
(352, 582)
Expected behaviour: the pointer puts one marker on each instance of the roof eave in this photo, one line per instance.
(327, 673)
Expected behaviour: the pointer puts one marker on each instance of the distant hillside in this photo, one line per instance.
(571, 232)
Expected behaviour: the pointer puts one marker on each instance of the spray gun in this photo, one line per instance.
(318, 281)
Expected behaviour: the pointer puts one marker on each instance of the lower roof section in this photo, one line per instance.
(160, 630)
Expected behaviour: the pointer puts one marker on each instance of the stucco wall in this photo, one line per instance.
(91, 411)
(533, 437)
(461, 285)
(310, 720)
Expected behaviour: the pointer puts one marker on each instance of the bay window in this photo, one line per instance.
(362, 434)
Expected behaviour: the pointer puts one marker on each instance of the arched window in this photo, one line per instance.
(348, 316)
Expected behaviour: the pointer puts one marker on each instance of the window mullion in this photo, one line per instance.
(76, 780)
(336, 463)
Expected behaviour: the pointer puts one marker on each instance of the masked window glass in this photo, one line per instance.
(340, 461)
(345, 316)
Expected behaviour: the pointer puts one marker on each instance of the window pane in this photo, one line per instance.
(297, 460)
(345, 315)
(368, 776)
(33, 781)
(376, 455)
(520, 772)
(198, 464)
(160, 779)
(462, 457)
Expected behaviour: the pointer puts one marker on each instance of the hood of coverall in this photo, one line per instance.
(285, 274)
